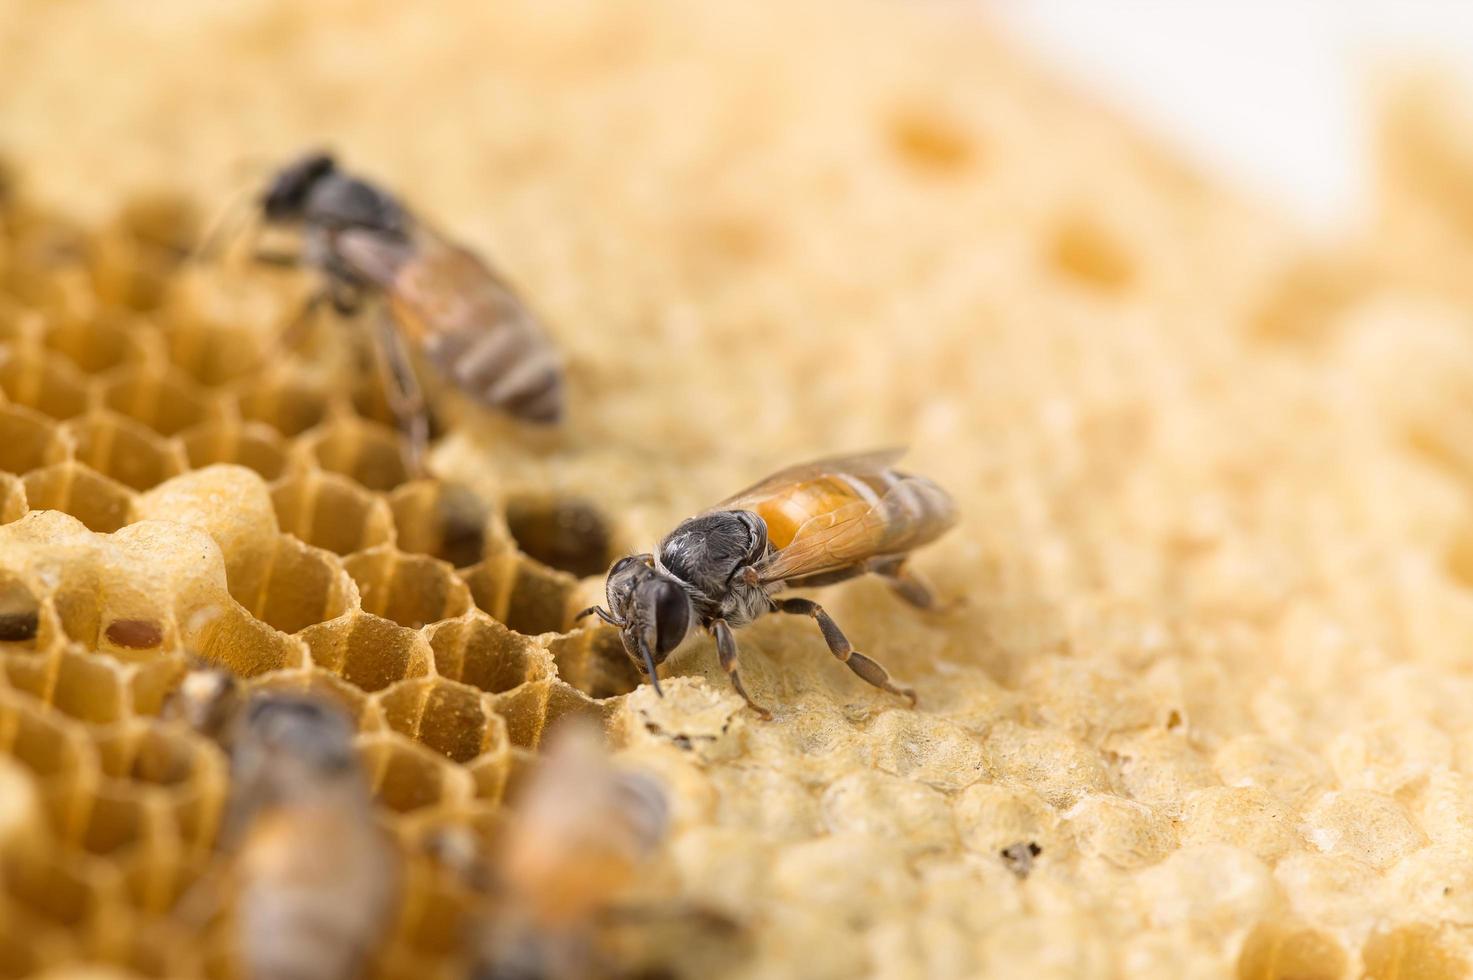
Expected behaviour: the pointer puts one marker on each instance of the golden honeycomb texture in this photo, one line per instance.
(1201, 708)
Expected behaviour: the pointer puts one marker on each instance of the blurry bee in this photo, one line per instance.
(315, 877)
(580, 832)
(808, 525)
(444, 301)
(207, 700)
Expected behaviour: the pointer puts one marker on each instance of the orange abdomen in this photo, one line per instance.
(786, 512)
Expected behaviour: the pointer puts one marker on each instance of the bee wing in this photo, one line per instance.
(857, 464)
(912, 512)
(464, 317)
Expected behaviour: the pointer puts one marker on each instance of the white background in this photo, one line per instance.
(1274, 96)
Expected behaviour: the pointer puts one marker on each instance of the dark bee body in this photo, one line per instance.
(444, 301)
(578, 836)
(315, 875)
(809, 525)
(207, 699)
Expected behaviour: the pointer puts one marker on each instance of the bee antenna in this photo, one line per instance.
(649, 662)
(601, 613)
(224, 228)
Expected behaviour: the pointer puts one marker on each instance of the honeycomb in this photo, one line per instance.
(171, 491)
(1201, 710)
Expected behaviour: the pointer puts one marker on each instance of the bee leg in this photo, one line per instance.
(406, 400)
(840, 647)
(726, 649)
(906, 584)
(290, 337)
(345, 299)
(284, 260)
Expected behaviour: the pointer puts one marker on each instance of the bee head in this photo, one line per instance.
(306, 730)
(286, 196)
(650, 608)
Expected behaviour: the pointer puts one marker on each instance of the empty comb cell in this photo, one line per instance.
(540, 600)
(165, 401)
(368, 651)
(566, 701)
(453, 719)
(117, 817)
(213, 355)
(102, 504)
(330, 511)
(129, 276)
(22, 821)
(58, 886)
(594, 661)
(286, 403)
(228, 635)
(45, 742)
(125, 451)
(85, 686)
(197, 809)
(156, 754)
(406, 777)
(524, 594)
(153, 946)
(369, 454)
(44, 382)
(477, 650)
(491, 771)
(28, 944)
(525, 711)
(153, 680)
(97, 344)
(412, 590)
(250, 444)
(1421, 950)
(29, 441)
(13, 504)
(1280, 951)
(294, 586)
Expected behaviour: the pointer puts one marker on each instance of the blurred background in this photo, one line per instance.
(1279, 97)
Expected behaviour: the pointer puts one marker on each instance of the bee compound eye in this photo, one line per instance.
(672, 618)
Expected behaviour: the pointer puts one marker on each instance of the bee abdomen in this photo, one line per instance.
(510, 367)
(918, 509)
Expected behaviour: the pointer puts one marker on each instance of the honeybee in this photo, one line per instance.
(808, 525)
(443, 300)
(314, 875)
(577, 837)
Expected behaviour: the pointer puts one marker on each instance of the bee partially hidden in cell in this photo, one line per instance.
(443, 301)
(578, 836)
(208, 700)
(314, 876)
(808, 525)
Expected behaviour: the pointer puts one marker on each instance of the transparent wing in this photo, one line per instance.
(911, 513)
(858, 464)
(465, 318)
(435, 285)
